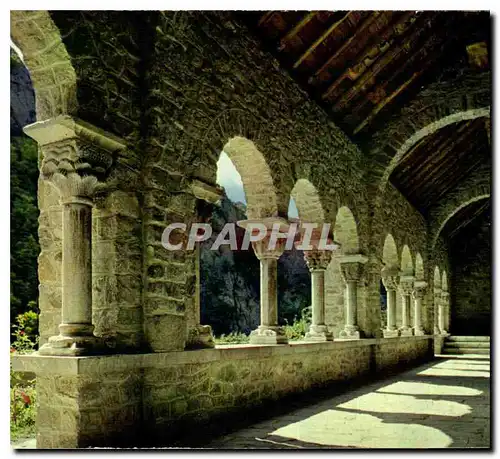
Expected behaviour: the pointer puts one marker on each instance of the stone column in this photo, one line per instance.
(268, 332)
(437, 306)
(442, 312)
(317, 261)
(76, 160)
(406, 288)
(390, 281)
(418, 295)
(351, 267)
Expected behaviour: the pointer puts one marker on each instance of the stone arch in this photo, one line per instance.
(433, 109)
(444, 281)
(48, 62)
(308, 202)
(406, 261)
(390, 252)
(451, 213)
(419, 267)
(256, 176)
(346, 232)
(437, 277)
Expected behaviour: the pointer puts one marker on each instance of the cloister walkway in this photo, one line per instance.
(442, 404)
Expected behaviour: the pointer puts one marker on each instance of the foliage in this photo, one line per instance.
(298, 329)
(24, 248)
(232, 338)
(22, 390)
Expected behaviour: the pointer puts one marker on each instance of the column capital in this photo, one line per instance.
(76, 156)
(437, 291)
(317, 260)
(406, 284)
(351, 267)
(390, 278)
(419, 288)
(445, 295)
(263, 249)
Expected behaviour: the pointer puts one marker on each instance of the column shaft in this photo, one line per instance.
(77, 269)
(391, 309)
(318, 297)
(268, 292)
(352, 303)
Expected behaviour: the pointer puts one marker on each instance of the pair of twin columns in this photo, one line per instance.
(409, 288)
(317, 260)
(77, 159)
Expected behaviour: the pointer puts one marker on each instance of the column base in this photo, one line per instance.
(418, 332)
(268, 335)
(73, 346)
(318, 333)
(437, 331)
(444, 332)
(350, 332)
(200, 337)
(390, 333)
(405, 332)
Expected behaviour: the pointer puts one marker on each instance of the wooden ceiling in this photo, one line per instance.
(437, 163)
(361, 66)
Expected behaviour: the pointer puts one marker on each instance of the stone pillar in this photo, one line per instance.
(317, 261)
(437, 306)
(406, 288)
(418, 295)
(76, 160)
(200, 336)
(442, 312)
(351, 267)
(268, 332)
(390, 281)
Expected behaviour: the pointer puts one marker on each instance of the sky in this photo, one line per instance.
(229, 178)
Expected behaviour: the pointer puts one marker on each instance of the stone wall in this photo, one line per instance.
(471, 281)
(181, 391)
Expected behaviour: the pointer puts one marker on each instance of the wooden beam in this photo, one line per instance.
(265, 17)
(375, 67)
(377, 62)
(356, 37)
(300, 25)
(387, 100)
(430, 51)
(320, 40)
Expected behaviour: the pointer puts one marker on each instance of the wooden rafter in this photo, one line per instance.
(330, 92)
(470, 218)
(265, 17)
(383, 59)
(300, 25)
(321, 39)
(418, 172)
(357, 36)
(431, 50)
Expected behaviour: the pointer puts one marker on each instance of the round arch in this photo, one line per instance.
(256, 176)
(444, 281)
(346, 231)
(419, 267)
(48, 62)
(308, 202)
(406, 261)
(433, 109)
(390, 252)
(437, 278)
(450, 215)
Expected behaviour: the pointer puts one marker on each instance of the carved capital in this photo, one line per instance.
(390, 278)
(76, 156)
(406, 285)
(419, 289)
(445, 296)
(351, 267)
(269, 247)
(317, 260)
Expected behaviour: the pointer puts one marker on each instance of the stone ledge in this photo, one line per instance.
(122, 362)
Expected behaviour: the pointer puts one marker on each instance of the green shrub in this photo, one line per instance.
(232, 338)
(298, 329)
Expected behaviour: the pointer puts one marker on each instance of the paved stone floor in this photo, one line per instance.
(442, 404)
